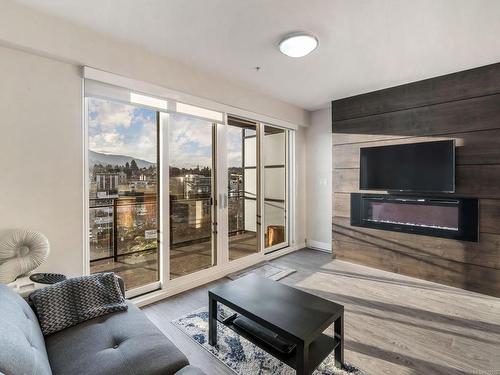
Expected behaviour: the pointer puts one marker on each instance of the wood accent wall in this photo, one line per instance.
(464, 106)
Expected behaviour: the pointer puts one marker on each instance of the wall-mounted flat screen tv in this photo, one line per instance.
(417, 167)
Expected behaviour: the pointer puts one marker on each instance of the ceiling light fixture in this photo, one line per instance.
(298, 44)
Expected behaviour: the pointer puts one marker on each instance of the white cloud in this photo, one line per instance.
(110, 114)
(105, 140)
(234, 146)
(234, 159)
(190, 142)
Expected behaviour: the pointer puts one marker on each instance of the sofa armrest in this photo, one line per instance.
(190, 370)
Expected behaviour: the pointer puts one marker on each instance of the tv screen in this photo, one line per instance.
(419, 167)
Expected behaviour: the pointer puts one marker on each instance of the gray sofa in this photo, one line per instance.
(118, 343)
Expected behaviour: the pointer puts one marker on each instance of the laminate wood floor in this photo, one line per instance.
(394, 324)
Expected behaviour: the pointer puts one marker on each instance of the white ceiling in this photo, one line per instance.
(365, 45)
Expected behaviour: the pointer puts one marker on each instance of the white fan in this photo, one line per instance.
(20, 253)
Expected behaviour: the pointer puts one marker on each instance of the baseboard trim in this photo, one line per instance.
(318, 245)
(206, 276)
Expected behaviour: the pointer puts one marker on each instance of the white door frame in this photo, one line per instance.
(221, 200)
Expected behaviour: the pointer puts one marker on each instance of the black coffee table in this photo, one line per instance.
(298, 317)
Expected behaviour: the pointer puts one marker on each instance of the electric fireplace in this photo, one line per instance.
(455, 218)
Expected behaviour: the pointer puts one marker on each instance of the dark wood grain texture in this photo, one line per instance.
(463, 106)
(481, 181)
(479, 147)
(445, 118)
(454, 273)
(451, 87)
(485, 253)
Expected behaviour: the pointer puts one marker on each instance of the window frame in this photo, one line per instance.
(223, 266)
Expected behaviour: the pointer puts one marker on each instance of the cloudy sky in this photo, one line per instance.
(189, 141)
(234, 146)
(122, 129)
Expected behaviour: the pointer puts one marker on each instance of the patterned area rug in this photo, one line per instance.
(267, 270)
(240, 355)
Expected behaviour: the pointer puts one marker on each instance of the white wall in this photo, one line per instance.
(41, 142)
(41, 154)
(319, 180)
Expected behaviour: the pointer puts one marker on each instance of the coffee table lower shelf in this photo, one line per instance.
(319, 349)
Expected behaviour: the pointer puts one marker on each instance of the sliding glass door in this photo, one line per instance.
(155, 169)
(124, 195)
(191, 191)
(123, 191)
(243, 188)
(275, 157)
(257, 191)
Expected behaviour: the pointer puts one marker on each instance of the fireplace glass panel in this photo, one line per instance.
(421, 215)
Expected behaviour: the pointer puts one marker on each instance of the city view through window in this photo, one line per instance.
(123, 191)
(124, 196)
(190, 149)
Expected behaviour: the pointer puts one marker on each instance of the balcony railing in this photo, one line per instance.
(120, 228)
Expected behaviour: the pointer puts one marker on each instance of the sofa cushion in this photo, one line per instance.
(21, 340)
(119, 343)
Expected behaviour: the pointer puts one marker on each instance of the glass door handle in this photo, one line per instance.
(220, 201)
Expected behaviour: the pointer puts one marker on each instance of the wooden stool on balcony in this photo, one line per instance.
(275, 235)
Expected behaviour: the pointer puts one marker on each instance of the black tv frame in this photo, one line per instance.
(410, 190)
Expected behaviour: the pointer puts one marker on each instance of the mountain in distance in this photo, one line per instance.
(120, 160)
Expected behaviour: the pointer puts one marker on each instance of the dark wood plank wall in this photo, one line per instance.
(464, 106)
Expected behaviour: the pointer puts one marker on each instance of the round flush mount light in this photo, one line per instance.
(298, 44)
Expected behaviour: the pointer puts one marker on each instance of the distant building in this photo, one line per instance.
(235, 183)
(122, 178)
(107, 185)
(176, 187)
(197, 186)
(138, 184)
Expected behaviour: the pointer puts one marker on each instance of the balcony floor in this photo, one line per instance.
(142, 268)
